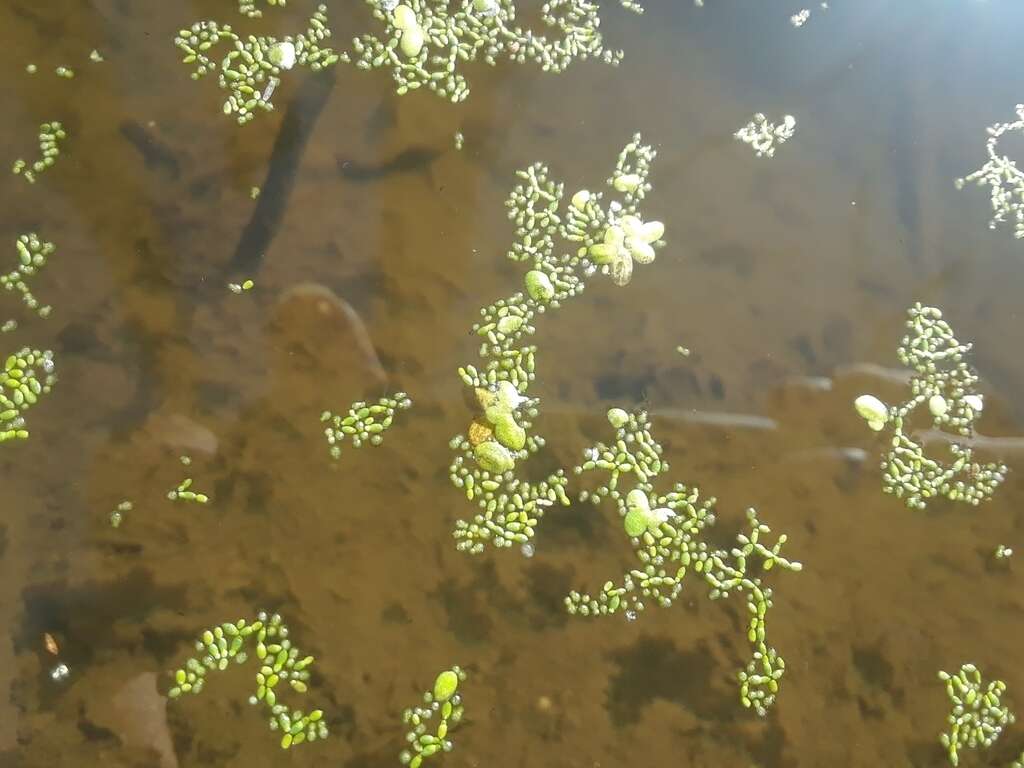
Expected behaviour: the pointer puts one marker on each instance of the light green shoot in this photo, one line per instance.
(443, 702)
(945, 386)
(365, 423)
(977, 716)
(665, 531)
(564, 245)
(280, 662)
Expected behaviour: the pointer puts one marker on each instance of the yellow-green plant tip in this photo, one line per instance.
(635, 523)
(510, 434)
(617, 417)
(494, 457)
(538, 286)
(445, 685)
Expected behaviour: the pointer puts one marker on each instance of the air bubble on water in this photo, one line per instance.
(630, 615)
(527, 549)
(48, 365)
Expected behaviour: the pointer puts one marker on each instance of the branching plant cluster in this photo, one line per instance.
(424, 43)
(592, 235)
(666, 533)
(945, 385)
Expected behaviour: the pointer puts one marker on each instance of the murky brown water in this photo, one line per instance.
(776, 270)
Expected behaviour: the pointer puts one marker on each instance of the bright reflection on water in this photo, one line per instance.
(372, 246)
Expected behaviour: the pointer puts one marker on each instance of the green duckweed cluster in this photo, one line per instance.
(32, 256)
(364, 423)
(595, 236)
(280, 662)
(423, 43)
(251, 69)
(27, 375)
(50, 135)
(184, 492)
(977, 716)
(117, 516)
(445, 703)
(946, 386)
(248, 7)
(1002, 176)
(666, 532)
(245, 285)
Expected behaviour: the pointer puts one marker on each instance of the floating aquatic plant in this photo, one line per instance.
(977, 716)
(364, 423)
(279, 660)
(444, 702)
(764, 136)
(117, 516)
(27, 375)
(248, 7)
(251, 70)
(1003, 552)
(183, 493)
(665, 531)
(597, 236)
(424, 42)
(32, 256)
(1004, 179)
(245, 285)
(50, 134)
(943, 383)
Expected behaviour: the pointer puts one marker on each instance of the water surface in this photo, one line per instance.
(776, 270)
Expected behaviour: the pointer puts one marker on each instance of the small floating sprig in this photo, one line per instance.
(50, 134)
(424, 42)
(764, 136)
(943, 382)
(27, 375)
(117, 516)
(364, 422)
(596, 236)
(1004, 179)
(184, 492)
(279, 660)
(251, 70)
(665, 532)
(245, 285)
(446, 703)
(32, 256)
(977, 716)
